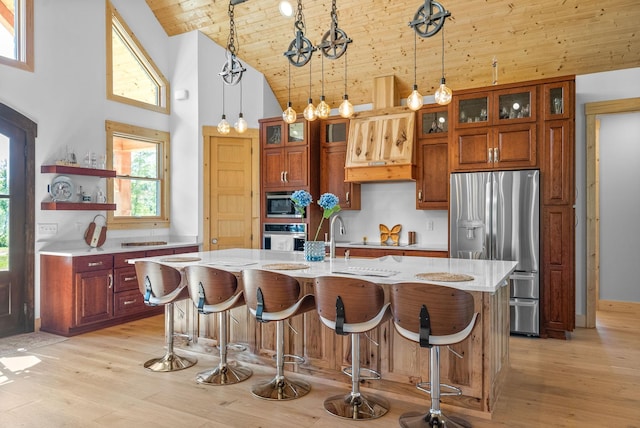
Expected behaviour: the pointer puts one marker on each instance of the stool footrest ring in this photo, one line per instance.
(370, 374)
(291, 359)
(452, 390)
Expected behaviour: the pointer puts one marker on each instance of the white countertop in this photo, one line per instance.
(378, 246)
(80, 248)
(489, 275)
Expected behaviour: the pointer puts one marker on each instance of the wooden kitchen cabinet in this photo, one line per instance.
(285, 153)
(85, 293)
(495, 130)
(333, 154)
(432, 181)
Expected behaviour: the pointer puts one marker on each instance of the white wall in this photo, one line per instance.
(66, 97)
(619, 206)
(591, 88)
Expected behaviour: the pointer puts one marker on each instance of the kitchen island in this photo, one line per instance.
(485, 354)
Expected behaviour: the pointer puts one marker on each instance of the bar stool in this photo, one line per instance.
(272, 296)
(162, 285)
(353, 306)
(216, 291)
(433, 316)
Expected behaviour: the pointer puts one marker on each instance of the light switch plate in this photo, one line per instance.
(47, 228)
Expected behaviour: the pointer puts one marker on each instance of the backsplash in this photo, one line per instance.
(392, 203)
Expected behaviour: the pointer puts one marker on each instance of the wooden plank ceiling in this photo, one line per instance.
(529, 39)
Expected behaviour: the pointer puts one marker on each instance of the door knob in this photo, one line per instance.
(214, 241)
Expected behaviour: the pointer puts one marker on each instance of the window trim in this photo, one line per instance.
(25, 60)
(136, 132)
(145, 61)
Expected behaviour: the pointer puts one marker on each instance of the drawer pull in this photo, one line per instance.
(130, 278)
(129, 302)
(92, 264)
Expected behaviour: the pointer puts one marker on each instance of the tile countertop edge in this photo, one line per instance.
(79, 248)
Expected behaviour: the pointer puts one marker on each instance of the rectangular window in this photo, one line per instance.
(16, 33)
(140, 189)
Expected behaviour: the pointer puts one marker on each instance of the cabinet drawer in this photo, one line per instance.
(92, 263)
(128, 302)
(120, 259)
(190, 249)
(125, 279)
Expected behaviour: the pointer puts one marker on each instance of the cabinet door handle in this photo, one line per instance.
(92, 264)
(282, 176)
(129, 278)
(347, 197)
(129, 302)
(420, 195)
(110, 281)
(495, 155)
(490, 156)
(286, 179)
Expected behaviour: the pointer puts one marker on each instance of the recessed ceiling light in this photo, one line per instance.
(286, 9)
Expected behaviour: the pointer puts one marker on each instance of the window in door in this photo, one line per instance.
(16, 33)
(140, 157)
(132, 76)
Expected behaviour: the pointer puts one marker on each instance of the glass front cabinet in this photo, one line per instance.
(432, 182)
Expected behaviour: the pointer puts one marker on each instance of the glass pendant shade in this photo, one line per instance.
(346, 108)
(443, 93)
(241, 125)
(289, 115)
(415, 100)
(323, 109)
(223, 126)
(310, 112)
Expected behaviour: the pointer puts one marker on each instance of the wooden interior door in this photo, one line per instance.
(228, 191)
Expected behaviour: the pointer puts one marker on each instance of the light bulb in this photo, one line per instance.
(309, 112)
(223, 126)
(415, 101)
(289, 115)
(286, 9)
(346, 108)
(323, 109)
(443, 94)
(241, 125)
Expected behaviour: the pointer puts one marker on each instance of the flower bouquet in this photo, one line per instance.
(314, 250)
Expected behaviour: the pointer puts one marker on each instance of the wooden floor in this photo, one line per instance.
(97, 380)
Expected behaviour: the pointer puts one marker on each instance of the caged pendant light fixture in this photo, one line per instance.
(231, 75)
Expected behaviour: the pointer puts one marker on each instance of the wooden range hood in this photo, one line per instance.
(381, 141)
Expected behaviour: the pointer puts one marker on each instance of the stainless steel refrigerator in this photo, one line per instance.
(496, 216)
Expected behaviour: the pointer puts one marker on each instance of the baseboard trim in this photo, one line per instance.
(617, 306)
(581, 321)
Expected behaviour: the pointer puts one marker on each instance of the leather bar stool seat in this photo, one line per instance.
(433, 316)
(274, 297)
(163, 285)
(215, 291)
(352, 306)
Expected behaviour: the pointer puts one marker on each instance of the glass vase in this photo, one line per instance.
(314, 251)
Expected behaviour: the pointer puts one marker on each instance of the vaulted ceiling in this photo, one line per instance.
(529, 39)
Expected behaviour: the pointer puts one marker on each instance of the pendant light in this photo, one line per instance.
(346, 108)
(443, 93)
(289, 115)
(241, 125)
(415, 100)
(223, 126)
(323, 109)
(309, 112)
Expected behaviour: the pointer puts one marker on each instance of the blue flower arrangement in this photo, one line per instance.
(329, 203)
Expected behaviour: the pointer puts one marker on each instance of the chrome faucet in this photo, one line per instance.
(332, 235)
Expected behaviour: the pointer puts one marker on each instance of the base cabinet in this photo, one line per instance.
(85, 293)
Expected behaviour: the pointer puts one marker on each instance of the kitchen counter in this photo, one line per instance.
(480, 373)
(112, 246)
(401, 246)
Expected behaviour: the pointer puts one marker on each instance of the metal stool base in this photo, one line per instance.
(227, 374)
(428, 420)
(170, 362)
(356, 407)
(281, 389)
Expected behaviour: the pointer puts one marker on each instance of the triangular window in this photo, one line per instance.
(132, 77)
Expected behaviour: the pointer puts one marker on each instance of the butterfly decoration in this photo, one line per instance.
(394, 234)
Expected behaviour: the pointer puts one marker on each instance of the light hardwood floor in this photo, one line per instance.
(97, 380)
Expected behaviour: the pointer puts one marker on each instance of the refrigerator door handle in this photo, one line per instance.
(495, 155)
(523, 302)
(529, 276)
(490, 156)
